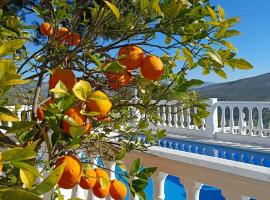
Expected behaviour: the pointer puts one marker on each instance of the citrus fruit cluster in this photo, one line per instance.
(96, 179)
(62, 34)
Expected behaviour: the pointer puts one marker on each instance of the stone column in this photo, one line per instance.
(159, 185)
(192, 188)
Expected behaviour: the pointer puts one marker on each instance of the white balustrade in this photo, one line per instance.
(238, 181)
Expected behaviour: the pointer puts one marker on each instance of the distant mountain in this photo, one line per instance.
(248, 89)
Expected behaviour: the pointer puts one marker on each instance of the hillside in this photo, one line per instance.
(249, 89)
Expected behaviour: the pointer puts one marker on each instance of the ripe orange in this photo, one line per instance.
(97, 189)
(99, 102)
(88, 179)
(40, 114)
(131, 57)
(118, 80)
(62, 34)
(46, 29)
(73, 39)
(80, 119)
(66, 76)
(72, 171)
(152, 67)
(118, 190)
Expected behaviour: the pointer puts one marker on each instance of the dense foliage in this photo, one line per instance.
(169, 37)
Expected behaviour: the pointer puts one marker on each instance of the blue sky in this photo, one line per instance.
(254, 42)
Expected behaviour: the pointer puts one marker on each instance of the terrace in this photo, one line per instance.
(229, 152)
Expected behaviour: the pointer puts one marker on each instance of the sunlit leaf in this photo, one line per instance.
(18, 154)
(240, 63)
(47, 184)
(26, 166)
(188, 56)
(10, 46)
(82, 90)
(212, 13)
(7, 115)
(114, 9)
(104, 182)
(17, 194)
(27, 178)
(215, 56)
(220, 72)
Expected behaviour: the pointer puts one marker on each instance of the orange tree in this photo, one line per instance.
(105, 62)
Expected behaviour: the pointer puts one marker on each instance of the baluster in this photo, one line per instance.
(203, 124)
(260, 121)
(231, 124)
(188, 119)
(215, 152)
(223, 118)
(175, 116)
(195, 112)
(240, 123)
(192, 188)
(164, 116)
(159, 184)
(250, 121)
(182, 118)
(158, 113)
(19, 113)
(170, 116)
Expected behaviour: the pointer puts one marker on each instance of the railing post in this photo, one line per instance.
(192, 188)
(159, 184)
(211, 122)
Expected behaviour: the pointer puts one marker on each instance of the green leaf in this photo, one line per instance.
(220, 72)
(144, 4)
(60, 90)
(148, 172)
(48, 183)
(215, 56)
(156, 7)
(82, 90)
(17, 194)
(212, 13)
(26, 166)
(188, 56)
(239, 63)
(139, 184)
(229, 45)
(121, 154)
(143, 124)
(94, 58)
(161, 133)
(230, 33)
(114, 67)
(14, 82)
(7, 115)
(76, 131)
(135, 166)
(141, 194)
(18, 154)
(19, 127)
(10, 46)
(27, 178)
(114, 9)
